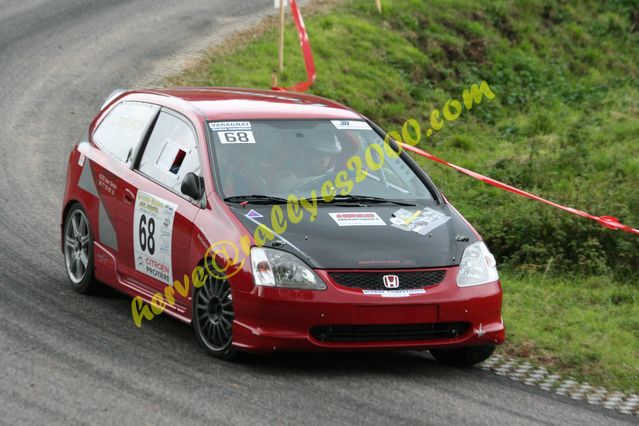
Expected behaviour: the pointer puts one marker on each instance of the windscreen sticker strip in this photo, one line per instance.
(222, 126)
(236, 137)
(419, 221)
(152, 236)
(351, 125)
(233, 132)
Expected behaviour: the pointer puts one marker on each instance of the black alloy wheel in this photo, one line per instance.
(213, 316)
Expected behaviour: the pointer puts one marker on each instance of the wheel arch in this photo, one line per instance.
(65, 212)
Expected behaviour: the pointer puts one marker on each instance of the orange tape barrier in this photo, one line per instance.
(305, 46)
(607, 221)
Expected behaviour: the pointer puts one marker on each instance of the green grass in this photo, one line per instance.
(564, 124)
(584, 327)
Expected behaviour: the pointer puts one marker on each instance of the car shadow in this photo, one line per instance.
(309, 364)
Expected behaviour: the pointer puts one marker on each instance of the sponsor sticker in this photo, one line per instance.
(233, 132)
(351, 125)
(419, 221)
(394, 293)
(107, 184)
(152, 236)
(222, 126)
(358, 219)
(253, 214)
(236, 137)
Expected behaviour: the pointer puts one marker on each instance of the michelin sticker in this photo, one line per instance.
(152, 236)
(420, 221)
(351, 125)
(358, 219)
(233, 132)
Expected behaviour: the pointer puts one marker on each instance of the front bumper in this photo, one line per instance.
(342, 318)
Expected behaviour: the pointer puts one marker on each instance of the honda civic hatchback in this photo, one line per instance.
(274, 221)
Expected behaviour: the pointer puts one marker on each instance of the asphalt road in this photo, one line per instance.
(67, 358)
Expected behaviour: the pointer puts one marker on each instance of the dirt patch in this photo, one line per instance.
(505, 27)
(475, 49)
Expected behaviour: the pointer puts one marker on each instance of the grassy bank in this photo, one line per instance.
(564, 124)
(583, 327)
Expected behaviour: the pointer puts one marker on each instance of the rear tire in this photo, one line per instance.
(77, 240)
(213, 316)
(463, 357)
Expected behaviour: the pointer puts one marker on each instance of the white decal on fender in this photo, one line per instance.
(152, 236)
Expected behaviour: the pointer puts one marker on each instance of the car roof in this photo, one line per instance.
(224, 103)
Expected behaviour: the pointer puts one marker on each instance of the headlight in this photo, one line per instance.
(276, 268)
(477, 266)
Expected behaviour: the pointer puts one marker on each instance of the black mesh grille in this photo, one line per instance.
(386, 332)
(375, 280)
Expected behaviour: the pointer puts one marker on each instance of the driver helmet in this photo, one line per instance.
(322, 155)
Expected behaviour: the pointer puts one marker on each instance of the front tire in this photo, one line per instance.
(213, 316)
(463, 357)
(78, 250)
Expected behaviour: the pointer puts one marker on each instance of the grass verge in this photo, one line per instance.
(583, 327)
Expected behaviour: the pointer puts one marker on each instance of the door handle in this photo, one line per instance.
(129, 198)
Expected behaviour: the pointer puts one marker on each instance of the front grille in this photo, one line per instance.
(387, 332)
(375, 280)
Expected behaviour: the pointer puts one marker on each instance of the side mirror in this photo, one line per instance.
(192, 186)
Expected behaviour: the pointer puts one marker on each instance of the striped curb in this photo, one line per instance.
(525, 372)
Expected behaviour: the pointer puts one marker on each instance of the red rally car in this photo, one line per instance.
(336, 239)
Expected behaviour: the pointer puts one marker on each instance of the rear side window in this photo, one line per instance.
(171, 152)
(122, 130)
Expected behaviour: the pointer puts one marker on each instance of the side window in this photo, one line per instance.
(171, 152)
(120, 133)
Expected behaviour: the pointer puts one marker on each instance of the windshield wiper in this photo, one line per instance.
(356, 199)
(256, 199)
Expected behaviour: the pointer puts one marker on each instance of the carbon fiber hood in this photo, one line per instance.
(373, 237)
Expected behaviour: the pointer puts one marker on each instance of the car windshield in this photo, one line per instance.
(272, 159)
